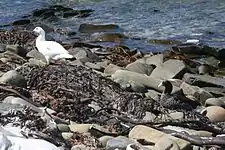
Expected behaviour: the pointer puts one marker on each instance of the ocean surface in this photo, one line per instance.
(140, 20)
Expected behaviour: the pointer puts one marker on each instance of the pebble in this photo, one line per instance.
(215, 102)
(120, 142)
(215, 113)
(165, 143)
(104, 139)
(63, 127)
(12, 77)
(80, 128)
(67, 135)
(153, 136)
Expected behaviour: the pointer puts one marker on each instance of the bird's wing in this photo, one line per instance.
(54, 47)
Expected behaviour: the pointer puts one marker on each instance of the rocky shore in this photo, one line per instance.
(109, 97)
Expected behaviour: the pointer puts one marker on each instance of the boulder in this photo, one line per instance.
(140, 68)
(169, 69)
(215, 102)
(215, 113)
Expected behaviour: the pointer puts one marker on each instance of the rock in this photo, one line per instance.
(215, 113)
(140, 68)
(164, 42)
(104, 139)
(21, 22)
(12, 58)
(149, 116)
(169, 69)
(136, 81)
(63, 127)
(155, 59)
(78, 13)
(67, 135)
(103, 64)
(80, 128)
(36, 54)
(20, 101)
(200, 94)
(190, 48)
(153, 136)
(177, 115)
(91, 28)
(215, 102)
(204, 80)
(217, 92)
(2, 48)
(81, 147)
(111, 69)
(153, 94)
(108, 37)
(35, 62)
(16, 49)
(165, 143)
(83, 54)
(12, 77)
(120, 142)
(5, 107)
(94, 66)
(136, 146)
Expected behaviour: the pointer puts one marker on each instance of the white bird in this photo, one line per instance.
(50, 49)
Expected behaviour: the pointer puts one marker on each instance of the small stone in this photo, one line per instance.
(12, 77)
(35, 62)
(104, 139)
(80, 128)
(177, 115)
(169, 69)
(83, 54)
(215, 102)
(215, 113)
(17, 49)
(153, 136)
(149, 116)
(2, 48)
(166, 144)
(67, 135)
(111, 69)
(120, 142)
(63, 127)
(80, 147)
(94, 66)
(20, 101)
(140, 68)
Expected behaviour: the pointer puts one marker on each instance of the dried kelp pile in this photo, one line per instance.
(69, 89)
(20, 37)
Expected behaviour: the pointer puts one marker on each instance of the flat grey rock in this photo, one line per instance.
(12, 77)
(215, 102)
(204, 80)
(140, 68)
(36, 54)
(155, 59)
(118, 142)
(169, 69)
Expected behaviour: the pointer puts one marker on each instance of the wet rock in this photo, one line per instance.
(215, 102)
(20, 101)
(111, 69)
(191, 48)
(199, 93)
(155, 59)
(79, 128)
(140, 68)
(120, 142)
(204, 80)
(12, 77)
(153, 136)
(108, 37)
(169, 69)
(2, 48)
(163, 42)
(17, 49)
(104, 139)
(67, 135)
(91, 28)
(166, 144)
(21, 22)
(215, 113)
(63, 127)
(78, 13)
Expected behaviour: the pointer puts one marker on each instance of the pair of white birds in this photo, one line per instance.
(50, 49)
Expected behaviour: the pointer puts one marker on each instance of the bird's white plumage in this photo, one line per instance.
(50, 49)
